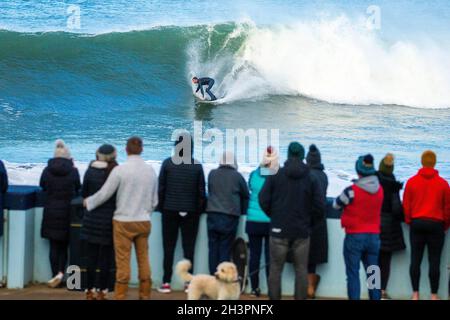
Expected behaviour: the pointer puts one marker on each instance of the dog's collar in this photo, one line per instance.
(234, 281)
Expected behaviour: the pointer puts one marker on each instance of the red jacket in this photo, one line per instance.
(363, 214)
(427, 196)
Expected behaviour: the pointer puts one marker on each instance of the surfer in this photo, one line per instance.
(204, 82)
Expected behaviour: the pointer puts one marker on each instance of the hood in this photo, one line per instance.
(99, 164)
(370, 184)
(60, 166)
(428, 173)
(317, 166)
(227, 166)
(295, 168)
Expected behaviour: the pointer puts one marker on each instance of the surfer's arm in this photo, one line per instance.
(200, 87)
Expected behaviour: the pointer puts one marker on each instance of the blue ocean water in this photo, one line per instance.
(312, 69)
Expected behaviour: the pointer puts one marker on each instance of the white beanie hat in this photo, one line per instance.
(61, 150)
(270, 161)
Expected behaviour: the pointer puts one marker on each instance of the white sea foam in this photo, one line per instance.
(29, 174)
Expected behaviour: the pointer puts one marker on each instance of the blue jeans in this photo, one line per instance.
(359, 247)
(222, 229)
(208, 90)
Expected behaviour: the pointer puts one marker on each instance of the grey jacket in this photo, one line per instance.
(227, 191)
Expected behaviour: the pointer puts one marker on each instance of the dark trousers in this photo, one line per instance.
(359, 247)
(58, 256)
(384, 261)
(279, 249)
(99, 257)
(256, 243)
(258, 239)
(312, 267)
(222, 229)
(172, 222)
(430, 234)
(208, 90)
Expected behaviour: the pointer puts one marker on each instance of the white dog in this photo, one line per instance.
(224, 285)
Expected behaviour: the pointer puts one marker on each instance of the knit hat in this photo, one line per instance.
(106, 153)
(270, 164)
(296, 150)
(364, 165)
(61, 150)
(387, 164)
(429, 159)
(313, 157)
(228, 159)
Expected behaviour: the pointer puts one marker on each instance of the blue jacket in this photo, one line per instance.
(3, 189)
(255, 183)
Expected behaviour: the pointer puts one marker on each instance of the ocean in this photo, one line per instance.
(351, 77)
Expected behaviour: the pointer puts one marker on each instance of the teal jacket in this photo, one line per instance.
(254, 211)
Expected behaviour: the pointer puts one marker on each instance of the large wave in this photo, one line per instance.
(332, 60)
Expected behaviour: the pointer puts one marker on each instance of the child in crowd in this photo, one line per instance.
(361, 204)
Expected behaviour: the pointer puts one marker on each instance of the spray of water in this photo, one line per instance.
(336, 61)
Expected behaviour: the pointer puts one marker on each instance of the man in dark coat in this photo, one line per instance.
(391, 235)
(293, 199)
(3, 189)
(228, 200)
(318, 250)
(61, 182)
(182, 199)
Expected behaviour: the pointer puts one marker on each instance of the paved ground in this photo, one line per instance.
(42, 292)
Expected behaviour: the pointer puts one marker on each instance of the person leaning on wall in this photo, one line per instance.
(60, 181)
(136, 187)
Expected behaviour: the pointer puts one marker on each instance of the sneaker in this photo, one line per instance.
(55, 281)
(165, 288)
(186, 287)
(256, 293)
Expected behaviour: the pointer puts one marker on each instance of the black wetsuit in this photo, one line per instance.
(206, 82)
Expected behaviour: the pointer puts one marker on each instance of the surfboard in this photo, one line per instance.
(202, 100)
(207, 101)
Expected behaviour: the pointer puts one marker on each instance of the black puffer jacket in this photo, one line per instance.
(318, 250)
(97, 224)
(391, 235)
(181, 187)
(293, 200)
(61, 182)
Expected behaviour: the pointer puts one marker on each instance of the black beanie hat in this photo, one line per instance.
(106, 152)
(313, 158)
